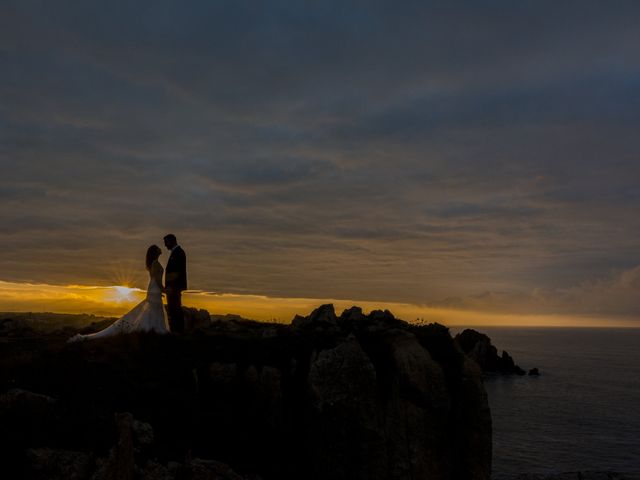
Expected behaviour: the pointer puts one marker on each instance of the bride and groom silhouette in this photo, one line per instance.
(150, 315)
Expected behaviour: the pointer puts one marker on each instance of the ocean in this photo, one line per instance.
(581, 413)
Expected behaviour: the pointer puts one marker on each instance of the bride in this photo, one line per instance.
(149, 315)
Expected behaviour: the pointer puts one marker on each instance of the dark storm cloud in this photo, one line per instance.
(405, 151)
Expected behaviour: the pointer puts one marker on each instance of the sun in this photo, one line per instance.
(123, 294)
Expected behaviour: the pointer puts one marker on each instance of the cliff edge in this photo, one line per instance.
(328, 397)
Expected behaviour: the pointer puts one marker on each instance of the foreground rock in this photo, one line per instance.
(478, 347)
(329, 397)
(586, 475)
(125, 461)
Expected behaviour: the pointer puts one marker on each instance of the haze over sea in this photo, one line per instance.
(581, 413)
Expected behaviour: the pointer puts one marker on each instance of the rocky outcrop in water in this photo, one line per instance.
(478, 347)
(328, 397)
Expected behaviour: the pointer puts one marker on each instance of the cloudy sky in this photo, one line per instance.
(465, 155)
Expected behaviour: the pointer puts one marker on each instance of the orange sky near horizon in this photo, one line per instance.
(116, 300)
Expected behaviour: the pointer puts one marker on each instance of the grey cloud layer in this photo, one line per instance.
(405, 152)
(615, 294)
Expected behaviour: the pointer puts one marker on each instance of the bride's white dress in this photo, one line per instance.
(148, 316)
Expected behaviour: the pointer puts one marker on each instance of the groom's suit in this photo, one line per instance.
(175, 281)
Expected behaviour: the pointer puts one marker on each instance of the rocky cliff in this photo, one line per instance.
(328, 397)
(478, 347)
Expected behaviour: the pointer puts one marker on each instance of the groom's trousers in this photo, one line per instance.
(174, 311)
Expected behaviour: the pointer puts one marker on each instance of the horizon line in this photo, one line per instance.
(114, 300)
(450, 326)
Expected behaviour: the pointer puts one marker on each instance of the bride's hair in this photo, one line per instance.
(153, 252)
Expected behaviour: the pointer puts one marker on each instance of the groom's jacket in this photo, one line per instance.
(175, 277)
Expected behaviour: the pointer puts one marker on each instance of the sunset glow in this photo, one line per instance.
(124, 294)
(304, 155)
(116, 300)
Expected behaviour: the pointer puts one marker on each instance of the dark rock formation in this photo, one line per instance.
(534, 371)
(587, 475)
(15, 327)
(349, 397)
(125, 461)
(322, 317)
(478, 347)
(195, 319)
(47, 464)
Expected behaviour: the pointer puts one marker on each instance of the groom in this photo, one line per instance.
(175, 281)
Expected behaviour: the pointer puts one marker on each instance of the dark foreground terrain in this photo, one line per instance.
(327, 397)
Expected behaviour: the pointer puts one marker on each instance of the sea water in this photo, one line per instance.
(581, 413)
